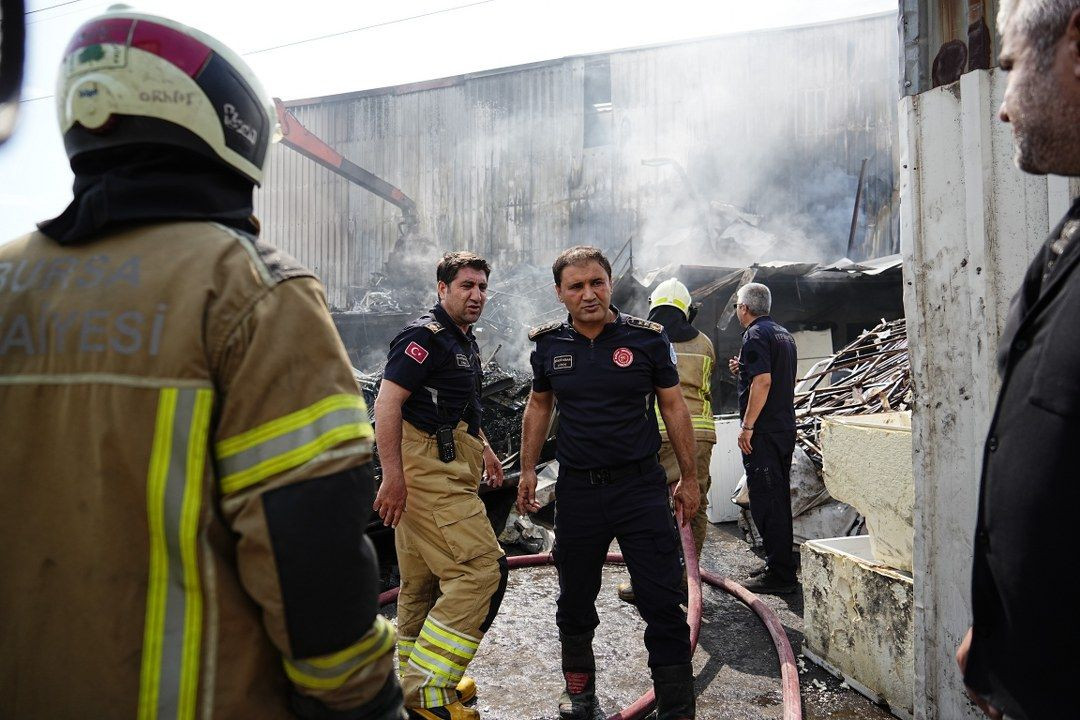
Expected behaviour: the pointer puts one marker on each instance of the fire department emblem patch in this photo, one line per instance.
(623, 357)
(416, 352)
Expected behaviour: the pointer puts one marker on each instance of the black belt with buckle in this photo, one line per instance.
(607, 476)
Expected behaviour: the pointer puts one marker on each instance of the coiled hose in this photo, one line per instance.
(789, 673)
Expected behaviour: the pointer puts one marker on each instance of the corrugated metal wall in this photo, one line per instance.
(519, 163)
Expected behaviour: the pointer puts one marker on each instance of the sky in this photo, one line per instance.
(325, 47)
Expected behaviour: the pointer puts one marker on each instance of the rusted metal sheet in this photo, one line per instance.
(518, 163)
(943, 39)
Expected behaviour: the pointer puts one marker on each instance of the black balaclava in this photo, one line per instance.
(118, 187)
(674, 321)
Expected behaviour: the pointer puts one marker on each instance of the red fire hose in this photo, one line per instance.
(789, 673)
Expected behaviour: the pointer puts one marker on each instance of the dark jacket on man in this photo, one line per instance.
(1025, 585)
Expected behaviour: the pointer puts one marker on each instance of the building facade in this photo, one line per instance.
(663, 149)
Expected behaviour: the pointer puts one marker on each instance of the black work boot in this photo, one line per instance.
(674, 686)
(578, 700)
(771, 583)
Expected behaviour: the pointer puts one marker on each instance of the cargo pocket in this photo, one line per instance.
(465, 529)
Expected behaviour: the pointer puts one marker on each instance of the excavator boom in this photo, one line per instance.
(305, 142)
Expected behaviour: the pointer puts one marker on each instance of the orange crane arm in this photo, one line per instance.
(299, 138)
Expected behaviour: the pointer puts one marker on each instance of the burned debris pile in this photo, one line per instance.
(872, 374)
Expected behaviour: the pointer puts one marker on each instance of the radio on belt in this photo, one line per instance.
(445, 437)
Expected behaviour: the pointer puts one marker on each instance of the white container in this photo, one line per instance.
(725, 468)
(858, 620)
(867, 464)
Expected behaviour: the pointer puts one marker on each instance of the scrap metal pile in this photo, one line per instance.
(870, 375)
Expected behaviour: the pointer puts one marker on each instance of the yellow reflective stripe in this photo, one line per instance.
(330, 672)
(293, 458)
(368, 646)
(154, 624)
(172, 633)
(432, 696)
(451, 634)
(706, 384)
(704, 423)
(437, 664)
(288, 423)
(671, 301)
(447, 644)
(189, 528)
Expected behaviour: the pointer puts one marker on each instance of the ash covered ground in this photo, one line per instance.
(738, 675)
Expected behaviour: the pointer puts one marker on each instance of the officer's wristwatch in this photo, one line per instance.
(747, 427)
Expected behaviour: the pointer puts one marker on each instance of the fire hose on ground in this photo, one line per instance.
(789, 673)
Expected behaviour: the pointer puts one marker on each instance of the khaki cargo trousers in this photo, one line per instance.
(453, 573)
(703, 457)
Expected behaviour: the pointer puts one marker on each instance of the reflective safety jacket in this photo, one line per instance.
(696, 359)
(184, 484)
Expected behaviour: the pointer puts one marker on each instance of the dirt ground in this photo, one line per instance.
(736, 668)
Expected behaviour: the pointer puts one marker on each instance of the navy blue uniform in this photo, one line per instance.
(440, 366)
(769, 348)
(610, 484)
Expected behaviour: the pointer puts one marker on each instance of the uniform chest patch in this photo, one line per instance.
(462, 361)
(623, 357)
(562, 362)
(416, 352)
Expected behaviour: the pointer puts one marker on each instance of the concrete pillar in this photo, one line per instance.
(970, 224)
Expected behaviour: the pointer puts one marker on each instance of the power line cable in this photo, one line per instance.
(368, 27)
(50, 7)
(311, 39)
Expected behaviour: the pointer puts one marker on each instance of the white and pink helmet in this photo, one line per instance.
(128, 78)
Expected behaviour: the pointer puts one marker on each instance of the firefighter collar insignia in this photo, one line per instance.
(622, 357)
(562, 362)
(462, 361)
(416, 352)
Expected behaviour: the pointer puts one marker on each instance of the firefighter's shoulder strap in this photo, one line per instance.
(645, 324)
(536, 332)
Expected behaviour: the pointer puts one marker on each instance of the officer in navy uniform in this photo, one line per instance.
(766, 366)
(605, 369)
(433, 452)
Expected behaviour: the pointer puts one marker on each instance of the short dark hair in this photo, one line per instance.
(579, 255)
(452, 262)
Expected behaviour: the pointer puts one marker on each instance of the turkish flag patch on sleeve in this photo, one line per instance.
(416, 352)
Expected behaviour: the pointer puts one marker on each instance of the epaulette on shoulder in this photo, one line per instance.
(646, 324)
(543, 329)
(435, 327)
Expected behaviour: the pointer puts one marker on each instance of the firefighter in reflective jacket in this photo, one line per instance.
(670, 306)
(186, 474)
(427, 424)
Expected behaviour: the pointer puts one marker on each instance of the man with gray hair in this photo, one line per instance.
(1019, 659)
(766, 368)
